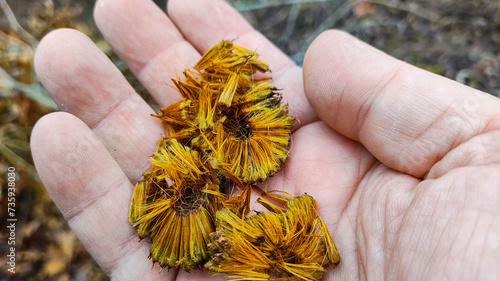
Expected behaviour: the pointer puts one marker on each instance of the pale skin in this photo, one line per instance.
(404, 164)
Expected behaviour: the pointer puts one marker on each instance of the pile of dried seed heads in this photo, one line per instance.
(230, 130)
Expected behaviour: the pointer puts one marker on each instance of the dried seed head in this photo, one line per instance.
(286, 244)
(175, 206)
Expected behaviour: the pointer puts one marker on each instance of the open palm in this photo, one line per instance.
(404, 164)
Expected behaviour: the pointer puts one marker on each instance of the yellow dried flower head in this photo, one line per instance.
(285, 244)
(175, 205)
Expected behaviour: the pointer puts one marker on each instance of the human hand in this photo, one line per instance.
(402, 163)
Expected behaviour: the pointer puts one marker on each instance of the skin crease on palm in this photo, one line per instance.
(404, 164)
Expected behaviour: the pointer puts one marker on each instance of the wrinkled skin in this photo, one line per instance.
(404, 164)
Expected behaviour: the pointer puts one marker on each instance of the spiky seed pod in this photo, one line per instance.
(256, 137)
(285, 244)
(175, 205)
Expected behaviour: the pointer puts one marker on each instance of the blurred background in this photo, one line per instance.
(459, 39)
